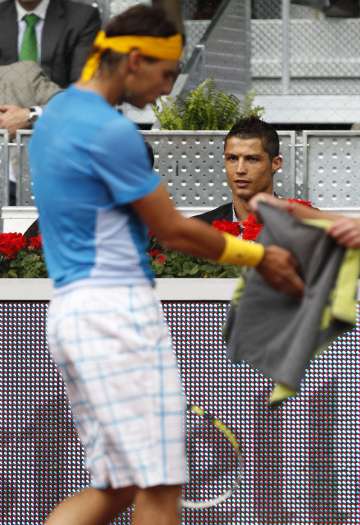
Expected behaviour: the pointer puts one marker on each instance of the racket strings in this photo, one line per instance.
(214, 458)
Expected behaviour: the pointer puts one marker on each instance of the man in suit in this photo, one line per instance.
(57, 34)
(252, 158)
(24, 90)
(64, 33)
(22, 85)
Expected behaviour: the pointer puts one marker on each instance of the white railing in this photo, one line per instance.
(323, 166)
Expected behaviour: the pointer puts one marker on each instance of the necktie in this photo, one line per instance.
(28, 50)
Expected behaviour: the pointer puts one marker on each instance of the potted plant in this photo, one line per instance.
(205, 108)
(22, 257)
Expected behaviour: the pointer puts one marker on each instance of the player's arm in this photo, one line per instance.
(195, 237)
(345, 230)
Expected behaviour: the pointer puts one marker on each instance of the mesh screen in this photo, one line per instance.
(190, 165)
(301, 461)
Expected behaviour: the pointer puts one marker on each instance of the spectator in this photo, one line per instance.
(56, 33)
(24, 90)
(251, 159)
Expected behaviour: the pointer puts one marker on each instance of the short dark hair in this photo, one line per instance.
(139, 20)
(255, 128)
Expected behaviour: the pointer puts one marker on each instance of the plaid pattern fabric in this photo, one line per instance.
(113, 350)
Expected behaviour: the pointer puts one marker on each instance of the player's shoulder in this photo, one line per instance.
(118, 137)
(121, 127)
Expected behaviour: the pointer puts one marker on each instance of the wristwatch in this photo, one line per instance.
(33, 114)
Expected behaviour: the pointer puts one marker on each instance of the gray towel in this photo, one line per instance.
(271, 331)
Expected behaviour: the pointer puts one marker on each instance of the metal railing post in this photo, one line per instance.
(4, 169)
(285, 64)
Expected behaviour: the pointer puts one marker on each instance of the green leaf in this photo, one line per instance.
(205, 108)
(12, 274)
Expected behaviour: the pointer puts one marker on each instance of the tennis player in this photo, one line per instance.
(96, 195)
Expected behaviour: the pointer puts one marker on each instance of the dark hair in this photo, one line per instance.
(255, 128)
(139, 20)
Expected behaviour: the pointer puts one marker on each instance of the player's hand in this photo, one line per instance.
(279, 269)
(13, 118)
(346, 231)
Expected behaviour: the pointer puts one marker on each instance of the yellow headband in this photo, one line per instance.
(163, 48)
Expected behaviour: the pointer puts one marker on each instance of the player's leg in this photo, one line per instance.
(95, 505)
(92, 507)
(113, 349)
(160, 505)
(159, 502)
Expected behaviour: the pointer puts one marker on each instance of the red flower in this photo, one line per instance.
(160, 259)
(35, 243)
(154, 252)
(251, 228)
(11, 244)
(226, 226)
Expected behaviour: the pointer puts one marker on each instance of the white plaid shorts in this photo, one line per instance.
(113, 350)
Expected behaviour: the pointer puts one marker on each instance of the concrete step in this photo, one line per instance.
(227, 34)
(238, 87)
(230, 74)
(234, 61)
(226, 47)
(227, 50)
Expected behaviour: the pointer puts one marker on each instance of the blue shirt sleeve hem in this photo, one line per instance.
(145, 190)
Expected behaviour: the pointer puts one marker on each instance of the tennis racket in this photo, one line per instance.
(216, 461)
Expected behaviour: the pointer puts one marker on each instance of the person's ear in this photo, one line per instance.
(276, 164)
(134, 61)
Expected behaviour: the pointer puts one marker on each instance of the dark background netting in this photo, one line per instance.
(301, 460)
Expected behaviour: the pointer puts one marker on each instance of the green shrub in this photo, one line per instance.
(205, 108)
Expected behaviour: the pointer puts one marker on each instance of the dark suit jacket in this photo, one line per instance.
(224, 212)
(68, 32)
